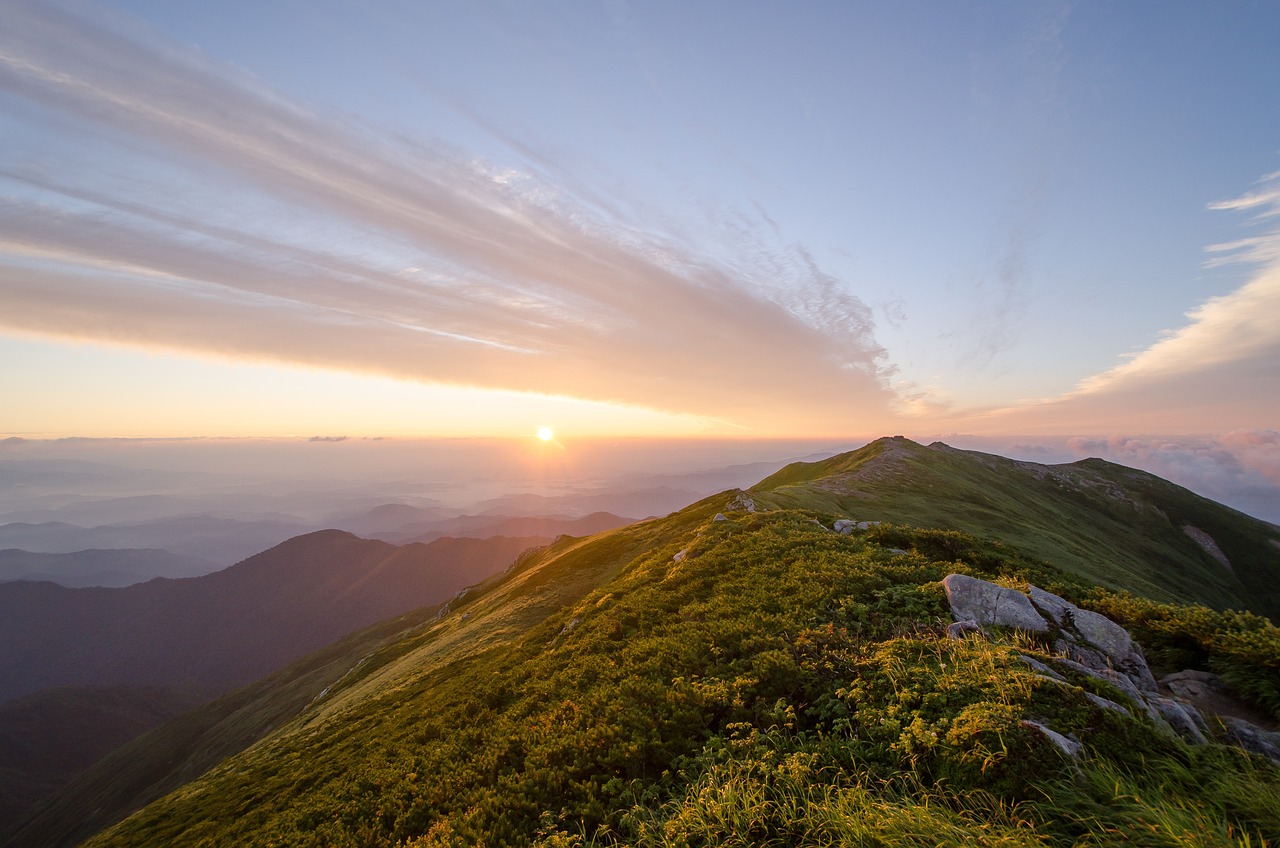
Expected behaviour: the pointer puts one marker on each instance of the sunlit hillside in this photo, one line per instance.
(731, 674)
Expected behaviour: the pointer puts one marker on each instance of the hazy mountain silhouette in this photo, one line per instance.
(227, 628)
(220, 540)
(483, 526)
(113, 568)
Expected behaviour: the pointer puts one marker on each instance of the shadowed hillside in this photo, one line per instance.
(47, 737)
(227, 628)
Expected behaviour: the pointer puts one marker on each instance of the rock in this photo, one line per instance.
(680, 555)
(1106, 644)
(742, 502)
(844, 526)
(989, 604)
(958, 630)
(720, 516)
(1193, 684)
(1081, 654)
(1185, 720)
(1057, 610)
(1116, 679)
(1207, 543)
(1104, 634)
(1041, 668)
(1211, 695)
(1107, 704)
(1252, 738)
(867, 525)
(1095, 646)
(1068, 745)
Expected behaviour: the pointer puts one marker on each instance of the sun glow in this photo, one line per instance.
(546, 434)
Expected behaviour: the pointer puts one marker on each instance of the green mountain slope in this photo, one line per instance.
(47, 737)
(180, 751)
(719, 677)
(1112, 525)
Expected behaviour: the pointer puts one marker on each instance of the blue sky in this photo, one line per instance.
(801, 219)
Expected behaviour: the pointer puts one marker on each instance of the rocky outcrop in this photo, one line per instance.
(1093, 646)
(986, 604)
(742, 502)
(845, 526)
(1207, 543)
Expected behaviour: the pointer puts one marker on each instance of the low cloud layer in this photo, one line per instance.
(161, 200)
(1240, 468)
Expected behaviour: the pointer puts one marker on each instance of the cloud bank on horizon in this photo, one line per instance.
(160, 197)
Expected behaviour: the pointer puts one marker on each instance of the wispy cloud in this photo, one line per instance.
(1231, 330)
(1217, 372)
(443, 268)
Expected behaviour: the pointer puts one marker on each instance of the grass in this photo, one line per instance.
(780, 684)
(1106, 524)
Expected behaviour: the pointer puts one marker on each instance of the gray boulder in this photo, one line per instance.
(1252, 738)
(1185, 719)
(1068, 745)
(958, 630)
(1094, 646)
(1057, 610)
(989, 604)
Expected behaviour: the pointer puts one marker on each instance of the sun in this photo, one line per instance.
(546, 434)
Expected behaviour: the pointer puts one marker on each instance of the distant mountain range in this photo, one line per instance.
(112, 568)
(775, 662)
(120, 555)
(232, 626)
(220, 540)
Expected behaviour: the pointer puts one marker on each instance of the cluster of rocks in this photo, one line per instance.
(1094, 646)
(742, 502)
(845, 526)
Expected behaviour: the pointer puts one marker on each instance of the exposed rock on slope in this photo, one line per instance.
(1094, 646)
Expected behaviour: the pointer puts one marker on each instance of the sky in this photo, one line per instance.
(714, 220)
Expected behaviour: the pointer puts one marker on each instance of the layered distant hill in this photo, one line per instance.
(505, 525)
(771, 666)
(219, 540)
(227, 628)
(114, 568)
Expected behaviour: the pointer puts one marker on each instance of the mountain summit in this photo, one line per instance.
(833, 657)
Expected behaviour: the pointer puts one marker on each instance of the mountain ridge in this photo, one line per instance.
(895, 479)
(653, 682)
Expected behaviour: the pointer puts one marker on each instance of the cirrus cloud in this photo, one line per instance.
(159, 199)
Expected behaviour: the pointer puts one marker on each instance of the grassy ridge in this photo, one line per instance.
(1111, 525)
(778, 683)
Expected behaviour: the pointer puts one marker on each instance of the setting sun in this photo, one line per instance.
(546, 434)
